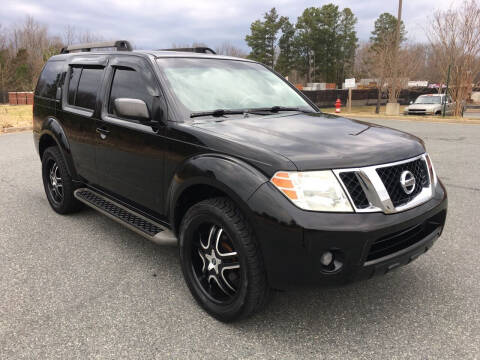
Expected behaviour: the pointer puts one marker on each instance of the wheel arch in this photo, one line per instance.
(207, 176)
(52, 134)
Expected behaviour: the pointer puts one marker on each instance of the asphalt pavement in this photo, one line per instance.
(83, 286)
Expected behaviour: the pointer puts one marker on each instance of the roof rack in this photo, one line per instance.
(120, 45)
(198, 49)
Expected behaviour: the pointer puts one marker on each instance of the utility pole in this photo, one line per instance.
(393, 107)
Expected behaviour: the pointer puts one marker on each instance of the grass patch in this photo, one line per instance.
(15, 116)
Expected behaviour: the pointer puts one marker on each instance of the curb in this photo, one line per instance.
(413, 118)
(15, 129)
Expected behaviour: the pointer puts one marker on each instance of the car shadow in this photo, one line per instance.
(360, 309)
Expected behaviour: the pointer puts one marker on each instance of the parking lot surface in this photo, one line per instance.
(83, 286)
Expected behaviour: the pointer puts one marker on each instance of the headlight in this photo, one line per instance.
(431, 171)
(312, 190)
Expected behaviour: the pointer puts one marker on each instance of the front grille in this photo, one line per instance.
(355, 190)
(390, 176)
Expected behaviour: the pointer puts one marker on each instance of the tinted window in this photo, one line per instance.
(73, 84)
(49, 79)
(87, 87)
(128, 83)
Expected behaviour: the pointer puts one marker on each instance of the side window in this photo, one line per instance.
(88, 85)
(83, 86)
(49, 79)
(128, 83)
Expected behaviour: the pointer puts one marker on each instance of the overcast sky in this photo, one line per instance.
(159, 23)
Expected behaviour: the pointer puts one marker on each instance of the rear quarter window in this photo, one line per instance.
(49, 79)
(83, 86)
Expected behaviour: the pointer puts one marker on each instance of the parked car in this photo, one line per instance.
(431, 104)
(229, 161)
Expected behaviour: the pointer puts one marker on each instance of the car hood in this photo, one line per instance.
(318, 141)
(423, 106)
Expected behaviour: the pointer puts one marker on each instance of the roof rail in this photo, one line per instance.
(120, 45)
(197, 49)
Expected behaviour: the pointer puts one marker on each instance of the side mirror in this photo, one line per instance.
(132, 108)
(411, 102)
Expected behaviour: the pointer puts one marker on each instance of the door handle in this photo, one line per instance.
(103, 131)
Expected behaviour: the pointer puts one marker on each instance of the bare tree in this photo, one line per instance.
(187, 45)
(374, 61)
(73, 35)
(410, 59)
(87, 37)
(69, 35)
(5, 65)
(31, 40)
(227, 48)
(454, 37)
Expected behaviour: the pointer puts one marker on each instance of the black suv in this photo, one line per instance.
(261, 189)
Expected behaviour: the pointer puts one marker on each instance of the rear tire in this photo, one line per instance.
(221, 260)
(58, 184)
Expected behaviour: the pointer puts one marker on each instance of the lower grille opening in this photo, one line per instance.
(400, 240)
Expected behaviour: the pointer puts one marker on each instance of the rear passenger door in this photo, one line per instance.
(130, 152)
(80, 110)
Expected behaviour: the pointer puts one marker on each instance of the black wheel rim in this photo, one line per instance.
(54, 182)
(216, 263)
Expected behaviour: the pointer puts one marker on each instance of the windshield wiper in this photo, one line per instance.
(217, 113)
(222, 112)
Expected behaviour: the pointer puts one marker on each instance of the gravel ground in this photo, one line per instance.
(82, 286)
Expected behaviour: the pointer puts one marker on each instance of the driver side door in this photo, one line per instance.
(130, 152)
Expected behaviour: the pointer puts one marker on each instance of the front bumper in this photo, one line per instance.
(292, 239)
(419, 112)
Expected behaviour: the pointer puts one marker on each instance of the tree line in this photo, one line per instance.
(25, 48)
(320, 46)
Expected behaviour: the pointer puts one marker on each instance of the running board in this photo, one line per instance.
(128, 218)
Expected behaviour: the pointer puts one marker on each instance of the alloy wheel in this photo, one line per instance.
(55, 183)
(216, 264)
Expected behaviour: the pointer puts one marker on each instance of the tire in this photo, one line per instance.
(60, 190)
(221, 260)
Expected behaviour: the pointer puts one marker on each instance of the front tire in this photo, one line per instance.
(58, 184)
(221, 260)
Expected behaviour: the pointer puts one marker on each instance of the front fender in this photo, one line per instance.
(234, 177)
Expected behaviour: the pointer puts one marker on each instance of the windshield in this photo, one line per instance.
(211, 84)
(428, 100)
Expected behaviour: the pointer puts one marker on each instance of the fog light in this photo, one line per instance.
(326, 258)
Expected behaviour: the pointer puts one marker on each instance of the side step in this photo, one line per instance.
(132, 220)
